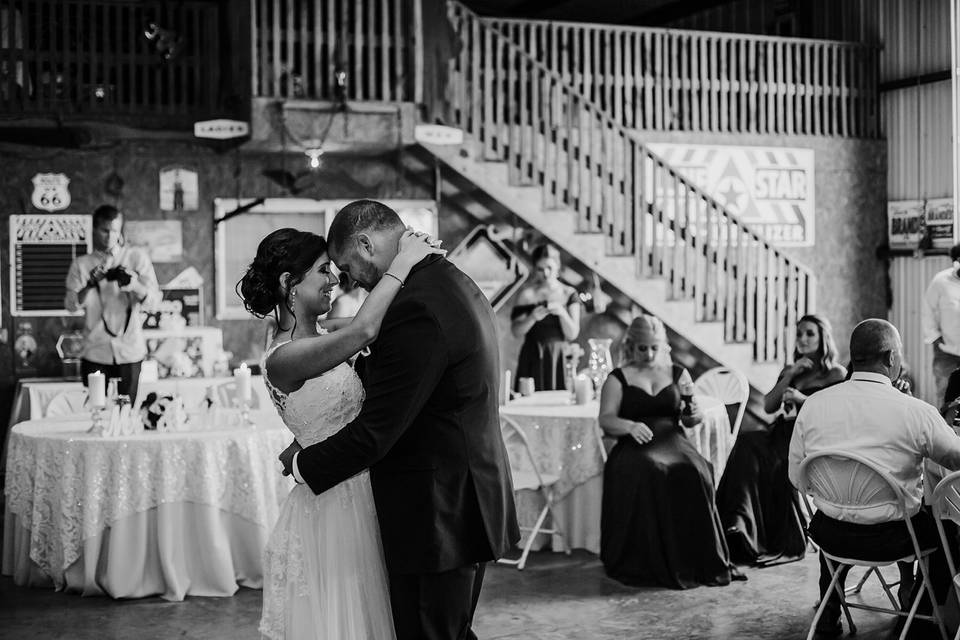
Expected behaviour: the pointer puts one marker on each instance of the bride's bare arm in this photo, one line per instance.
(289, 366)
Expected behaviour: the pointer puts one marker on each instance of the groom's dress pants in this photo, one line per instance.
(436, 606)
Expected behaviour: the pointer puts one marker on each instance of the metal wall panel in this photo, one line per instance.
(917, 125)
(915, 36)
(909, 278)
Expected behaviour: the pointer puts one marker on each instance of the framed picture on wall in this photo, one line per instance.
(236, 237)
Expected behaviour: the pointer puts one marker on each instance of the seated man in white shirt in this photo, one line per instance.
(868, 416)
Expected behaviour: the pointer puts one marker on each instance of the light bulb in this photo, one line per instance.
(314, 155)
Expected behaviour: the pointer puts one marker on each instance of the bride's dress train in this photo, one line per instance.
(324, 574)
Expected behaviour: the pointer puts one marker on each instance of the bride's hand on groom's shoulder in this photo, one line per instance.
(286, 457)
(417, 245)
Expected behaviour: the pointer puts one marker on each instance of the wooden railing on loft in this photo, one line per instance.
(91, 59)
(519, 111)
(706, 81)
(338, 49)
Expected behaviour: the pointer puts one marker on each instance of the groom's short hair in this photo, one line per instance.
(360, 216)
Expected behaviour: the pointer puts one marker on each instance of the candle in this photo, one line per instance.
(97, 389)
(507, 383)
(242, 378)
(583, 389)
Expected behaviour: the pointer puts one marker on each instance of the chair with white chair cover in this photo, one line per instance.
(850, 481)
(946, 506)
(526, 476)
(728, 386)
(66, 403)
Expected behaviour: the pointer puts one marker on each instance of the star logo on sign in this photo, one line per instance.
(732, 193)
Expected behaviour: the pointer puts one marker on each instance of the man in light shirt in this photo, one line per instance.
(941, 322)
(111, 285)
(866, 415)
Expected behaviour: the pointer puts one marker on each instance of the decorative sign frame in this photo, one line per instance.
(306, 214)
(50, 241)
(495, 268)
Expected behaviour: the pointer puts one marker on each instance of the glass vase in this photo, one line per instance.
(600, 363)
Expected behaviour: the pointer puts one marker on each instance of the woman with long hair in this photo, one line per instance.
(547, 317)
(659, 522)
(758, 505)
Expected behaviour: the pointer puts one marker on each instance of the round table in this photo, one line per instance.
(171, 513)
(565, 440)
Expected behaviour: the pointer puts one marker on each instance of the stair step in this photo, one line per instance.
(591, 248)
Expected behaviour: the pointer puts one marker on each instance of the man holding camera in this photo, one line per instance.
(111, 285)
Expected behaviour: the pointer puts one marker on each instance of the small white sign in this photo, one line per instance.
(178, 189)
(50, 191)
(437, 134)
(221, 129)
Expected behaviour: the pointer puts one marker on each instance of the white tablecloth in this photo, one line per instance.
(34, 396)
(566, 441)
(175, 514)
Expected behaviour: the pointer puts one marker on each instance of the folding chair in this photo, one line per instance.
(67, 403)
(523, 470)
(846, 479)
(946, 506)
(730, 387)
(226, 395)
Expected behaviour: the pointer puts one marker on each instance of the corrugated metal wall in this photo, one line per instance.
(908, 279)
(917, 123)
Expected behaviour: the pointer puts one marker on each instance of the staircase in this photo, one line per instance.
(565, 166)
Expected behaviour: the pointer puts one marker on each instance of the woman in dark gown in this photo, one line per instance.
(659, 523)
(547, 316)
(761, 515)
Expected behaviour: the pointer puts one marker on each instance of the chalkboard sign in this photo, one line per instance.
(42, 247)
(177, 303)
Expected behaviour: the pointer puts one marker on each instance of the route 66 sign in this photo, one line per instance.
(50, 191)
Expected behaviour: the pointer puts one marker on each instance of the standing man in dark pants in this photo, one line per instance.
(429, 431)
(111, 285)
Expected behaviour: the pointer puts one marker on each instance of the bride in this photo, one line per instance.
(324, 574)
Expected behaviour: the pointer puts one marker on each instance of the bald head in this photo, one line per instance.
(875, 346)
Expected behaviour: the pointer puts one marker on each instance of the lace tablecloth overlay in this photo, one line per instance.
(565, 438)
(67, 485)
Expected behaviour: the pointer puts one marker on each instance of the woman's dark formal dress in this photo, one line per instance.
(659, 523)
(758, 505)
(541, 355)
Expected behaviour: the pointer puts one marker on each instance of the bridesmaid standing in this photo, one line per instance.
(758, 505)
(547, 317)
(659, 523)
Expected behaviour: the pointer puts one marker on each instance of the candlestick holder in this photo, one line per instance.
(245, 413)
(97, 414)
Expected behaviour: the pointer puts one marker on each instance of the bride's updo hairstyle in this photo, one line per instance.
(284, 250)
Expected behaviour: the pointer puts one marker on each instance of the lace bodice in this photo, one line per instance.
(322, 406)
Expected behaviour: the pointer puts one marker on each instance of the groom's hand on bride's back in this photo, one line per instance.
(286, 457)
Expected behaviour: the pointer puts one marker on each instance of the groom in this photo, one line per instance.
(429, 431)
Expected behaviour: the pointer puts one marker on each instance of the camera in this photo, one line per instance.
(119, 275)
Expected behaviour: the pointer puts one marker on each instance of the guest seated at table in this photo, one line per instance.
(659, 523)
(758, 505)
(866, 415)
(547, 317)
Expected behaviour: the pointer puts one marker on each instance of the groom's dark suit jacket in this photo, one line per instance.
(429, 429)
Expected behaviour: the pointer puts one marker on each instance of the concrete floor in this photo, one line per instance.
(556, 597)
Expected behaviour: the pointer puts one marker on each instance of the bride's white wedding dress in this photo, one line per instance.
(324, 574)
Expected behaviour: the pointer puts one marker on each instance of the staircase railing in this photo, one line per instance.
(676, 80)
(519, 111)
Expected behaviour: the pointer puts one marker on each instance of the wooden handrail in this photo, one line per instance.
(522, 112)
(668, 79)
